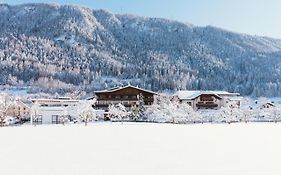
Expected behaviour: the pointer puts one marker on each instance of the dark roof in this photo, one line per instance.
(123, 87)
(190, 95)
(120, 88)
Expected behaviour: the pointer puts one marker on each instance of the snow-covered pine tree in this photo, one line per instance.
(134, 112)
(141, 108)
(138, 110)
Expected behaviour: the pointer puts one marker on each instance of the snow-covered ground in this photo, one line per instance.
(141, 149)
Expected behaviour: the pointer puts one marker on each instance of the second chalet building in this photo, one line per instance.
(208, 99)
(126, 95)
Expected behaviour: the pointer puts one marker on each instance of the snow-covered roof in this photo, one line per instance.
(268, 104)
(123, 87)
(238, 98)
(53, 100)
(18, 102)
(225, 93)
(189, 95)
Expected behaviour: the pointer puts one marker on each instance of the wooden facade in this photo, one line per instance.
(208, 99)
(128, 96)
(18, 109)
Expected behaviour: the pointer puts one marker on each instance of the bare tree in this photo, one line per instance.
(85, 111)
(5, 102)
(64, 117)
(34, 113)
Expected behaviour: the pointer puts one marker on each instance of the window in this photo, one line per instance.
(37, 120)
(206, 98)
(55, 105)
(55, 119)
(133, 97)
(58, 119)
(102, 96)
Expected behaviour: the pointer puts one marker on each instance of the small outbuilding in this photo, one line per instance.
(52, 111)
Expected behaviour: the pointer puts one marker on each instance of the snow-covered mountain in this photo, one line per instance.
(62, 47)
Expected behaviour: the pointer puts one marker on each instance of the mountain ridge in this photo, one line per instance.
(59, 48)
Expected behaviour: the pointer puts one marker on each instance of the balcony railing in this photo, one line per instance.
(108, 102)
(123, 98)
(206, 105)
(104, 103)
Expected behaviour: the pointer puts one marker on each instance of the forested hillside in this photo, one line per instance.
(62, 48)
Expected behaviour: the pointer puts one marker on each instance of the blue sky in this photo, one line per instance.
(256, 17)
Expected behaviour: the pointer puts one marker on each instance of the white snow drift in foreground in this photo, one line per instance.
(141, 149)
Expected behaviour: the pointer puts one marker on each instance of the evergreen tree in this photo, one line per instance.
(141, 107)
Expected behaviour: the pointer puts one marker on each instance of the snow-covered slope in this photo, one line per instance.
(62, 47)
(150, 149)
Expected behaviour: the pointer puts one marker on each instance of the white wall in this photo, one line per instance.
(48, 112)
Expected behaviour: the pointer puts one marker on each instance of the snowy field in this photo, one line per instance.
(141, 149)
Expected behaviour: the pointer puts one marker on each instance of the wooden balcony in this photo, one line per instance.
(208, 105)
(106, 103)
(125, 102)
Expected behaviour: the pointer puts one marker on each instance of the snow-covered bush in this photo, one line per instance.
(247, 109)
(10, 121)
(184, 113)
(223, 115)
(271, 114)
(118, 112)
(85, 111)
(166, 111)
(277, 113)
(230, 115)
(161, 110)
